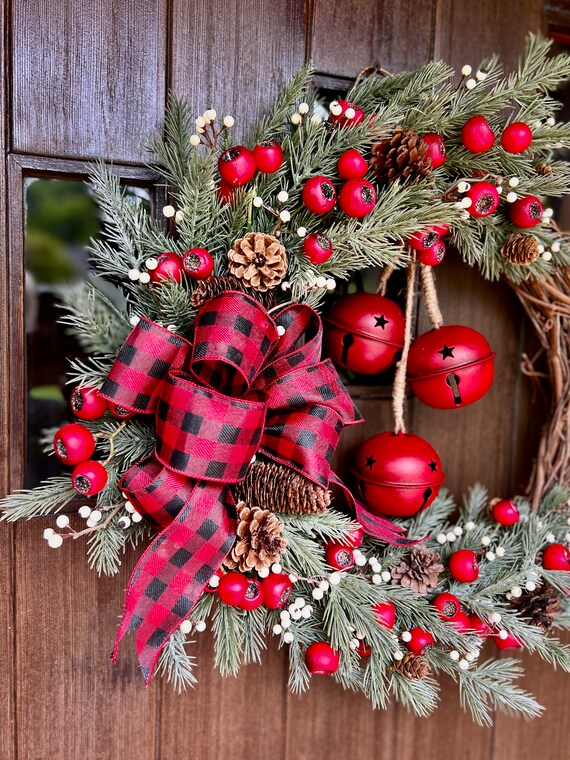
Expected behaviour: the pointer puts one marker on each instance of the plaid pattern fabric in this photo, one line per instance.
(239, 388)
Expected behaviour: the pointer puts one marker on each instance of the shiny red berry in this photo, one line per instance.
(253, 596)
(89, 478)
(510, 642)
(73, 443)
(120, 412)
(353, 538)
(422, 240)
(317, 248)
(226, 192)
(463, 566)
(476, 135)
(338, 556)
(197, 263)
(268, 156)
(441, 229)
(321, 659)
(436, 149)
(319, 195)
(341, 119)
(276, 588)
(461, 622)
(212, 589)
(421, 642)
(505, 512)
(352, 165)
(517, 137)
(484, 199)
(363, 649)
(385, 614)
(233, 588)
(237, 165)
(87, 403)
(556, 557)
(169, 267)
(448, 605)
(357, 198)
(434, 255)
(478, 626)
(526, 212)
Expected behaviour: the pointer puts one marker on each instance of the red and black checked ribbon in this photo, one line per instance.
(238, 389)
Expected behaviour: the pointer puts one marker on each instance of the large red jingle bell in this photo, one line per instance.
(364, 332)
(450, 367)
(398, 474)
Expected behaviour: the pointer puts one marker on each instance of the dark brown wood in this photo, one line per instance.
(88, 79)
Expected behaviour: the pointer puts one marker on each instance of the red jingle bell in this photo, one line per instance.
(276, 588)
(89, 478)
(168, 267)
(436, 149)
(526, 212)
(352, 165)
(505, 512)
(253, 596)
(268, 156)
(343, 113)
(385, 614)
(197, 263)
(364, 332)
(398, 474)
(321, 659)
(73, 443)
(450, 367)
(357, 198)
(232, 588)
(517, 137)
(237, 166)
(421, 641)
(556, 557)
(433, 256)
(319, 195)
(339, 556)
(476, 135)
(87, 403)
(463, 566)
(317, 248)
(448, 605)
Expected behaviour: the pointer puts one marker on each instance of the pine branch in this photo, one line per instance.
(294, 90)
(176, 665)
(49, 497)
(227, 625)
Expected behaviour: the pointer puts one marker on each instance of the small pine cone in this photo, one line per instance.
(544, 170)
(412, 666)
(539, 606)
(521, 249)
(259, 259)
(214, 285)
(402, 156)
(418, 570)
(279, 488)
(259, 541)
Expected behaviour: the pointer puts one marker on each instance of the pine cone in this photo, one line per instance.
(259, 541)
(402, 156)
(539, 606)
(544, 170)
(259, 259)
(521, 249)
(214, 285)
(418, 570)
(282, 489)
(412, 666)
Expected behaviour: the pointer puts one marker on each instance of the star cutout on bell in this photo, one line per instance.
(381, 321)
(433, 466)
(447, 352)
(370, 461)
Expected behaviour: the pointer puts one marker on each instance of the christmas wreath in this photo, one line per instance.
(206, 419)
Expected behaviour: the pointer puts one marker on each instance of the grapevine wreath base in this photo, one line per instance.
(206, 419)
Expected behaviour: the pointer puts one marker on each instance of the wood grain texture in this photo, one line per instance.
(348, 36)
(88, 78)
(235, 56)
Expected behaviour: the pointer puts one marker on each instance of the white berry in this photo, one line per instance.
(406, 636)
(441, 539)
(450, 536)
(151, 264)
(376, 567)
(133, 274)
(210, 114)
(195, 140)
(470, 657)
(458, 530)
(511, 197)
(84, 512)
(124, 522)
(200, 122)
(485, 540)
(285, 285)
(334, 579)
(201, 626)
(214, 581)
(350, 113)
(185, 626)
(386, 576)
(96, 515)
(129, 507)
(454, 655)
(463, 187)
(466, 202)
(317, 594)
(463, 664)
(168, 211)
(136, 518)
(490, 556)
(303, 108)
(144, 278)
(469, 525)
(288, 637)
(277, 629)
(471, 83)
(229, 121)
(398, 655)
(258, 201)
(55, 541)
(306, 612)
(285, 216)
(280, 330)
(481, 75)
(321, 282)
(495, 617)
(514, 181)
(551, 538)
(335, 108)
(296, 118)
(48, 533)
(503, 634)
(324, 585)
(331, 283)
(134, 320)
(179, 216)
(530, 586)
(301, 231)
(555, 247)
(500, 551)
(466, 70)
(282, 196)
(516, 591)
(551, 121)
(548, 212)
(376, 580)
(276, 568)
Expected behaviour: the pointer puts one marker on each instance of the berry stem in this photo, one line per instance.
(111, 438)
(100, 526)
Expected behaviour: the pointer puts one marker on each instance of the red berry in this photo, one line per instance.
(447, 605)
(268, 156)
(197, 263)
(319, 195)
(436, 149)
(353, 538)
(317, 248)
(89, 478)
(73, 443)
(463, 566)
(169, 267)
(253, 596)
(441, 229)
(341, 119)
(526, 212)
(120, 412)
(478, 626)
(421, 641)
(433, 256)
(357, 198)
(339, 556)
(226, 192)
(233, 588)
(352, 165)
(237, 165)
(461, 622)
(385, 614)
(556, 557)
(516, 137)
(212, 589)
(321, 659)
(505, 512)
(423, 239)
(276, 590)
(476, 135)
(363, 649)
(484, 199)
(511, 642)
(87, 403)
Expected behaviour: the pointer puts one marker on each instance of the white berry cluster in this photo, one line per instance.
(471, 82)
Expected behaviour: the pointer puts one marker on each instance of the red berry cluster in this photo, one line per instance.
(196, 263)
(238, 590)
(429, 247)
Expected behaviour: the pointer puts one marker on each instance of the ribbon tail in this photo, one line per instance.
(375, 526)
(171, 574)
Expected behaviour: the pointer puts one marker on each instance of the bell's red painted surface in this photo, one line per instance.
(450, 367)
(364, 332)
(398, 474)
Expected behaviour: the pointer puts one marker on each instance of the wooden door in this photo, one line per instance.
(86, 80)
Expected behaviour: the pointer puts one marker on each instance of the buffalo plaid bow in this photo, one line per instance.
(239, 388)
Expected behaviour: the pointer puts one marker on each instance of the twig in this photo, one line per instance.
(430, 296)
(399, 392)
